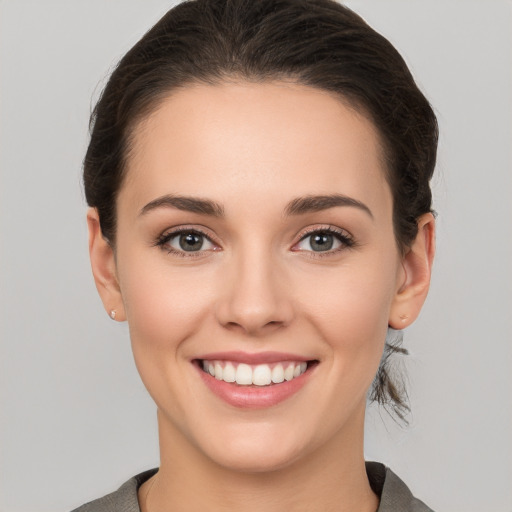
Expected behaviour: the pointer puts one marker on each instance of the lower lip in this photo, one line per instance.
(254, 397)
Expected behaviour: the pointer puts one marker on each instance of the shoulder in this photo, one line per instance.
(395, 496)
(122, 500)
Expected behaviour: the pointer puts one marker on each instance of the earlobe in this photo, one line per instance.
(417, 268)
(103, 266)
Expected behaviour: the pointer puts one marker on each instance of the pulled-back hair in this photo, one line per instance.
(318, 43)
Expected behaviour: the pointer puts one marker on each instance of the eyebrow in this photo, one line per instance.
(308, 204)
(185, 203)
(297, 206)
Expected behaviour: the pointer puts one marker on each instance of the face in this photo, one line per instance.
(255, 243)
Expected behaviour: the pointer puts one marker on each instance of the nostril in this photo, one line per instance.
(251, 311)
(235, 326)
(253, 326)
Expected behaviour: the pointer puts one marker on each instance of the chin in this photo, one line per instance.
(257, 447)
(254, 459)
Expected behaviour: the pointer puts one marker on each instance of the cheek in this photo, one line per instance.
(350, 309)
(352, 299)
(164, 306)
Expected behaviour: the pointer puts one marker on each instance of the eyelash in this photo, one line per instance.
(346, 240)
(164, 239)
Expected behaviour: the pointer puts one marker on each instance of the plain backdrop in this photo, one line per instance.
(75, 419)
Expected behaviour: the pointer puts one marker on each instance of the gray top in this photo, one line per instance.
(394, 494)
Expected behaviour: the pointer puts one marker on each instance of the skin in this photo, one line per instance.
(259, 286)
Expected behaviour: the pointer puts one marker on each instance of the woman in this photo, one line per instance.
(258, 177)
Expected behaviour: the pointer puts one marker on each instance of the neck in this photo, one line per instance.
(333, 478)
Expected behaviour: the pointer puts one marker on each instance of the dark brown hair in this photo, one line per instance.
(318, 43)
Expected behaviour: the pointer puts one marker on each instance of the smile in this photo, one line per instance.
(254, 381)
(257, 375)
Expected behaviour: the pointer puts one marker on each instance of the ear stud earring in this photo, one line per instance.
(113, 314)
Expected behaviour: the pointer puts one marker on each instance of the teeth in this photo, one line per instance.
(229, 373)
(243, 374)
(259, 375)
(288, 373)
(262, 375)
(278, 374)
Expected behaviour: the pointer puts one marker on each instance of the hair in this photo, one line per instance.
(317, 43)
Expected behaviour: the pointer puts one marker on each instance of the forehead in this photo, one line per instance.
(249, 137)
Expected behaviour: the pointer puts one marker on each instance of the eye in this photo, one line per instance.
(186, 241)
(324, 240)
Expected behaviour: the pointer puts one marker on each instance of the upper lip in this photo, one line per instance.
(253, 358)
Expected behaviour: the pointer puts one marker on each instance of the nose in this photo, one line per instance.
(255, 298)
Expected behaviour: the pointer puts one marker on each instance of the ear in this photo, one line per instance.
(103, 265)
(417, 267)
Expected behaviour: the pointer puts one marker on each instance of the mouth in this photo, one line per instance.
(244, 374)
(254, 381)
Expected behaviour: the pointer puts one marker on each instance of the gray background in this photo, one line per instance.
(75, 419)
